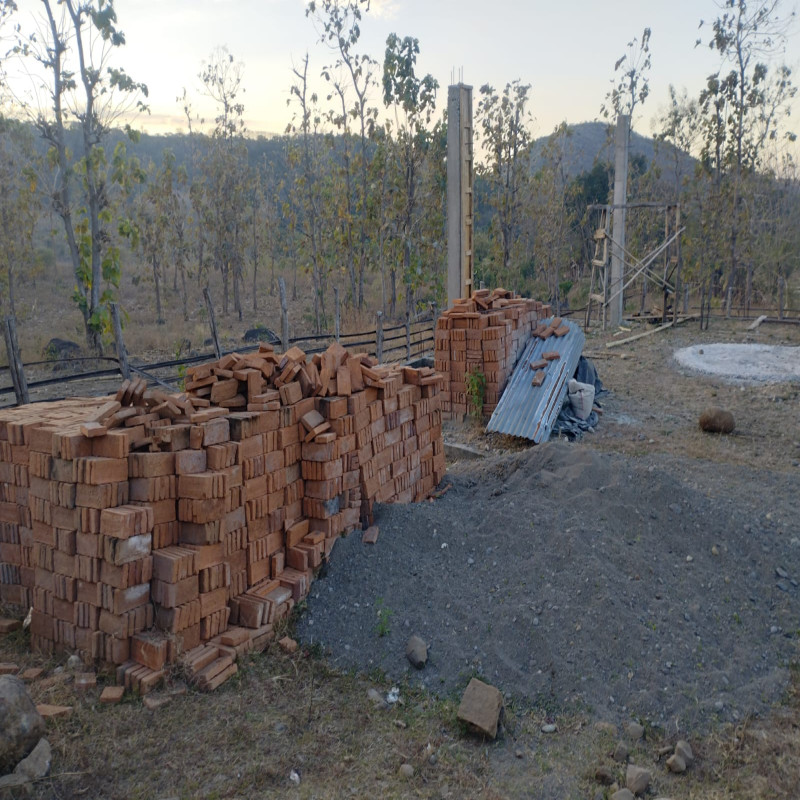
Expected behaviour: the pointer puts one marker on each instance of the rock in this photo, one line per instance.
(417, 652)
(152, 702)
(549, 728)
(37, 764)
(634, 731)
(675, 763)
(21, 726)
(32, 673)
(112, 695)
(261, 334)
(8, 668)
(481, 707)
(375, 696)
(74, 663)
(604, 775)
(288, 645)
(370, 535)
(606, 727)
(61, 350)
(13, 782)
(637, 779)
(684, 750)
(717, 420)
(406, 771)
(622, 794)
(621, 752)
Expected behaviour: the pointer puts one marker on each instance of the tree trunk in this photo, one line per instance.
(185, 297)
(11, 304)
(393, 307)
(225, 270)
(157, 281)
(255, 263)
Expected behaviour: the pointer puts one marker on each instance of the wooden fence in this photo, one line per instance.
(398, 342)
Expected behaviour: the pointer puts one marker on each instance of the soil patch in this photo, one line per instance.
(576, 580)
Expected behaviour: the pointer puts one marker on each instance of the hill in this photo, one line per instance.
(589, 142)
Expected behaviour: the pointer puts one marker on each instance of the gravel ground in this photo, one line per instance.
(647, 586)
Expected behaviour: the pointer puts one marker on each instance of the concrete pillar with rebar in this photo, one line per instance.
(616, 293)
(459, 192)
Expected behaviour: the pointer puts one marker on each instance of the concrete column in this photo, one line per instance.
(615, 292)
(459, 192)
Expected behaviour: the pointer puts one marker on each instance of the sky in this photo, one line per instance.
(566, 49)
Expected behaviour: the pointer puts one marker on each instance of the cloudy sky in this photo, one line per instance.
(566, 49)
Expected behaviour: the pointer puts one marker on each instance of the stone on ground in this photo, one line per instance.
(21, 726)
(37, 764)
(634, 731)
(637, 779)
(622, 794)
(417, 652)
(675, 763)
(684, 750)
(481, 706)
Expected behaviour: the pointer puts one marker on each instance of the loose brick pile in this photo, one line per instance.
(148, 527)
(485, 333)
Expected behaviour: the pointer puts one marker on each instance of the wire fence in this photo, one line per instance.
(395, 343)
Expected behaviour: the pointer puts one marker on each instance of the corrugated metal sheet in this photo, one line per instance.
(530, 412)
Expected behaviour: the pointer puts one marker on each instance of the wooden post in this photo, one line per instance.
(284, 315)
(408, 336)
(212, 321)
(686, 299)
(702, 303)
(338, 320)
(122, 351)
(708, 304)
(435, 313)
(728, 298)
(379, 337)
(781, 287)
(15, 362)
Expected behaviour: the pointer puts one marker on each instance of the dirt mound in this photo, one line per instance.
(654, 587)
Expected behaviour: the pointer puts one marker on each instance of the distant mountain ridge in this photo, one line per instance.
(589, 142)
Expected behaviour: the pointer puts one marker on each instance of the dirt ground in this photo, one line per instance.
(646, 572)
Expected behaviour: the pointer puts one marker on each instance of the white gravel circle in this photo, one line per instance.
(749, 363)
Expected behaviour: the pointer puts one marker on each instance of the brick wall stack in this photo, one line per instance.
(146, 527)
(485, 333)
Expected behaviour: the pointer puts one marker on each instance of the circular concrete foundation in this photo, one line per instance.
(743, 363)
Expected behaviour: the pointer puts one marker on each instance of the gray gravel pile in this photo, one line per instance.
(656, 587)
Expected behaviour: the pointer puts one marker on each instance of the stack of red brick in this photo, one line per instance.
(483, 334)
(150, 526)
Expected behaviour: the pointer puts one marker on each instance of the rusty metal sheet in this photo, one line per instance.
(528, 411)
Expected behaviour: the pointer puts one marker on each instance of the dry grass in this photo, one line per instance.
(286, 713)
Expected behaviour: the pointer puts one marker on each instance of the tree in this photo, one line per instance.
(76, 51)
(304, 158)
(630, 85)
(504, 124)
(222, 192)
(20, 207)
(339, 24)
(741, 111)
(159, 231)
(414, 100)
(550, 210)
